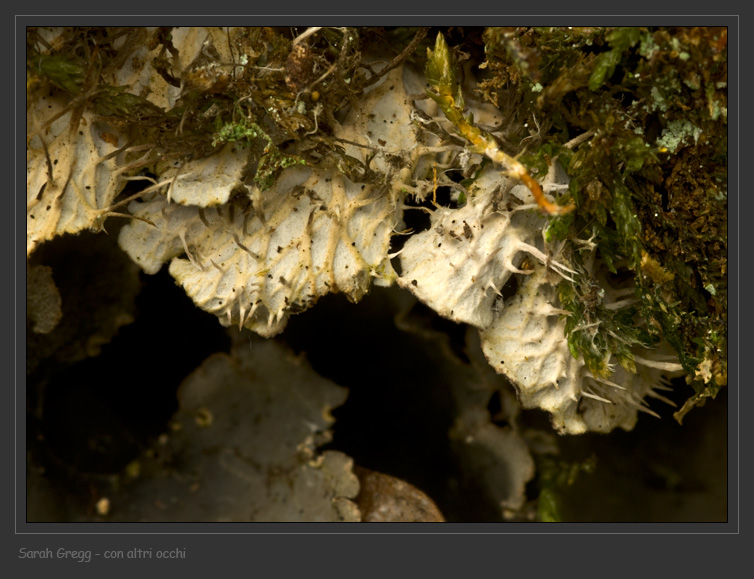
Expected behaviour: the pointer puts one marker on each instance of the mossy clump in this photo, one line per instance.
(638, 117)
(279, 94)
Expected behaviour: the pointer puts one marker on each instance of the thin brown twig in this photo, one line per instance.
(400, 58)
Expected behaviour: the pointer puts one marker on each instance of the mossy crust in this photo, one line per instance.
(277, 93)
(638, 116)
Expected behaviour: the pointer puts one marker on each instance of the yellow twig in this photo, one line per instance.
(441, 75)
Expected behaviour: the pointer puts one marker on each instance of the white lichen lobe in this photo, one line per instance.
(460, 264)
(527, 344)
(459, 268)
(255, 262)
(73, 174)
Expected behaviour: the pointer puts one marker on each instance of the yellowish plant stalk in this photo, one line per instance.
(441, 75)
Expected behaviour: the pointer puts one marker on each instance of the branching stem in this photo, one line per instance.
(441, 74)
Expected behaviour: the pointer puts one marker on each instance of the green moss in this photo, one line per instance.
(620, 41)
(274, 97)
(271, 164)
(242, 132)
(650, 181)
(596, 332)
(66, 73)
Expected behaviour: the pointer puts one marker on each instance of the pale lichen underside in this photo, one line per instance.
(187, 183)
(458, 268)
(526, 343)
(315, 232)
(72, 173)
(460, 264)
(255, 260)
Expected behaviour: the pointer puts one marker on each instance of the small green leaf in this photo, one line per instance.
(440, 70)
(620, 40)
(604, 67)
(64, 72)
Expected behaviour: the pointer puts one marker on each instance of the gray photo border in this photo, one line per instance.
(276, 543)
